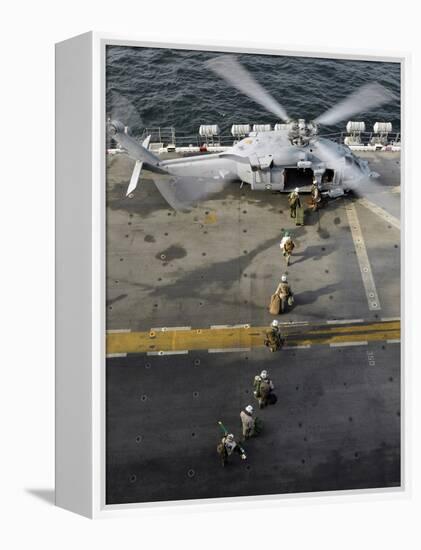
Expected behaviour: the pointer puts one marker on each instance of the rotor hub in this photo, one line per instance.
(301, 132)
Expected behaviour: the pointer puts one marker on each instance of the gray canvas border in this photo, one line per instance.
(400, 58)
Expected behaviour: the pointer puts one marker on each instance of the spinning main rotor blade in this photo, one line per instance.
(363, 185)
(337, 161)
(365, 98)
(333, 158)
(122, 109)
(228, 68)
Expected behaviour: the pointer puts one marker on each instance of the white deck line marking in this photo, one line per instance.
(229, 326)
(381, 212)
(343, 344)
(226, 350)
(396, 341)
(344, 321)
(169, 329)
(175, 352)
(297, 347)
(112, 355)
(116, 330)
(362, 256)
(385, 319)
(288, 323)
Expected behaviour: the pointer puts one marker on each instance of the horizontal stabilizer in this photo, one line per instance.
(135, 177)
(134, 180)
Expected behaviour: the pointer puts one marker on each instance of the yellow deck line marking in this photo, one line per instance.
(371, 337)
(244, 338)
(390, 325)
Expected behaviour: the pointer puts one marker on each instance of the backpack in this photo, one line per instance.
(289, 246)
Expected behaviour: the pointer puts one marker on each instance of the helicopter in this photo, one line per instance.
(263, 160)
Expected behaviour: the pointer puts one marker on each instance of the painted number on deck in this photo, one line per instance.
(371, 360)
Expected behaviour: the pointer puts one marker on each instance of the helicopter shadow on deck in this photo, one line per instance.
(311, 296)
(314, 252)
(147, 200)
(226, 273)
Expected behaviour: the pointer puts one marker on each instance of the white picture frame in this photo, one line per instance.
(80, 273)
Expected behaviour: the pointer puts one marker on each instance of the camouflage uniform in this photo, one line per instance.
(248, 424)
(262, 389)
(315, 196)
(284, 292)
(287, 246)
(294, 203)
(226, 448)
(273, 338)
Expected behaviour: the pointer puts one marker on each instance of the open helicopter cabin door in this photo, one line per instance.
(328, 176)
(298, 177)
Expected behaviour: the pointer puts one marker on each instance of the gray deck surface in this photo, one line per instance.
(337, 422)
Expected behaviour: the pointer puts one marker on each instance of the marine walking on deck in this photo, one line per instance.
(315, 196)
(294, 202)
(273, 338)
(263, 389)
(248, 422)
(281, 298)
(287, 245)
(228, 446)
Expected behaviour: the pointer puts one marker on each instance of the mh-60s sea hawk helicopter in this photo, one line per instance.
(262, 159)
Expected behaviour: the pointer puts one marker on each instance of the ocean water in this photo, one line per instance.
(152, 87)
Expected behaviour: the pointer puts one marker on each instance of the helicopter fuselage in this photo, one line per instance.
(264, 161)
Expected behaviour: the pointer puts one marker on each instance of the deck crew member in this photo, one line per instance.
(315, 195)
(287, 245)
(227, 447)
(273, 339)
(248, 422)
(294, 202)
(263, 388)
(285, 294)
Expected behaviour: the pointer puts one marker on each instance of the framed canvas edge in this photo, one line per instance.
(100, 508)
